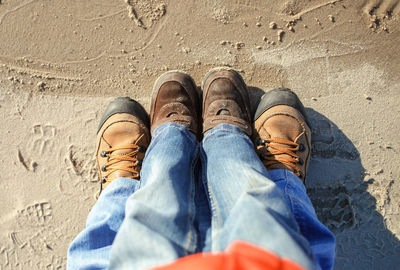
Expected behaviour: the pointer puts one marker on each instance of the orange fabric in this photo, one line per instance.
(238, 256)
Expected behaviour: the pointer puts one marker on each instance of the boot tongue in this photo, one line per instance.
(283, 127)
(120, 134)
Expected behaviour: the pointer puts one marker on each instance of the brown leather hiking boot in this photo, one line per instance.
(225, 100)
(175, 99)
(284, 135)
(122, 139)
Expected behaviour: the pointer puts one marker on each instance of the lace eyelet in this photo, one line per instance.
(104, 154)
(104, 168)
(138, 163)
(261, 142)
(104, 180)
(301, 175)
(141, 149)
(300, 161)
(302, 147)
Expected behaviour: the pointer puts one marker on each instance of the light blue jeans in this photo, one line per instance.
(183, 206)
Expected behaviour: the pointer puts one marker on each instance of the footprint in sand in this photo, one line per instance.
(328, 142)
(81, 169)
(43, 139)
(335, 211)
(35, 214)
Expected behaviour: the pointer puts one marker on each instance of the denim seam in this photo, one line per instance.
(213, 204)
(295, 206)
(191, 214)
(207, 190)
(294, 201)
(215, 213)
(299, 218)
(288, 194)
(213, 207)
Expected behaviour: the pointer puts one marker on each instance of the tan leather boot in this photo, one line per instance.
(225, 100)
(283, 133)
(122, 139)
(175, 99)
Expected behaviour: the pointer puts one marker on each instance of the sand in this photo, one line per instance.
(61, 62)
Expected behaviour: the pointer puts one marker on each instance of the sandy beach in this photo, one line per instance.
(61, 62)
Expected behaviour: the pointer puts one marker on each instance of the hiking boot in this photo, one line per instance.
(225, 100)
(284, 135)
(122, 138)
(175, 99)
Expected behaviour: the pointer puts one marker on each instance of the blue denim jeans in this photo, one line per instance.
(200, 197)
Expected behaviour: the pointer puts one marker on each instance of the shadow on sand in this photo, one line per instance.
(338, 188)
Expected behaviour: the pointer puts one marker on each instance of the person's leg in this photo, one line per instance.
(122, 137)
(158, 227)
(284, 145)
(160, 216)
(321, 240)
(91, 248)
(246, 203)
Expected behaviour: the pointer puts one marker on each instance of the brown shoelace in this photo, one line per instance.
(111, 166)
(272, 156)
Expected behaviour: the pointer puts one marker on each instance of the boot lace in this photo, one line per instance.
(275, 149)
(113, 160)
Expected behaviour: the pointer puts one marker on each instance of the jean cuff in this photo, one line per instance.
(225, 127)
(164, 126)
(282, 174)
(120, 185)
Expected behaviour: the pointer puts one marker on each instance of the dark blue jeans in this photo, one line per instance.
(170, 214)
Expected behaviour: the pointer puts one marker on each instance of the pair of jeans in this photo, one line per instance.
(197, 197)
